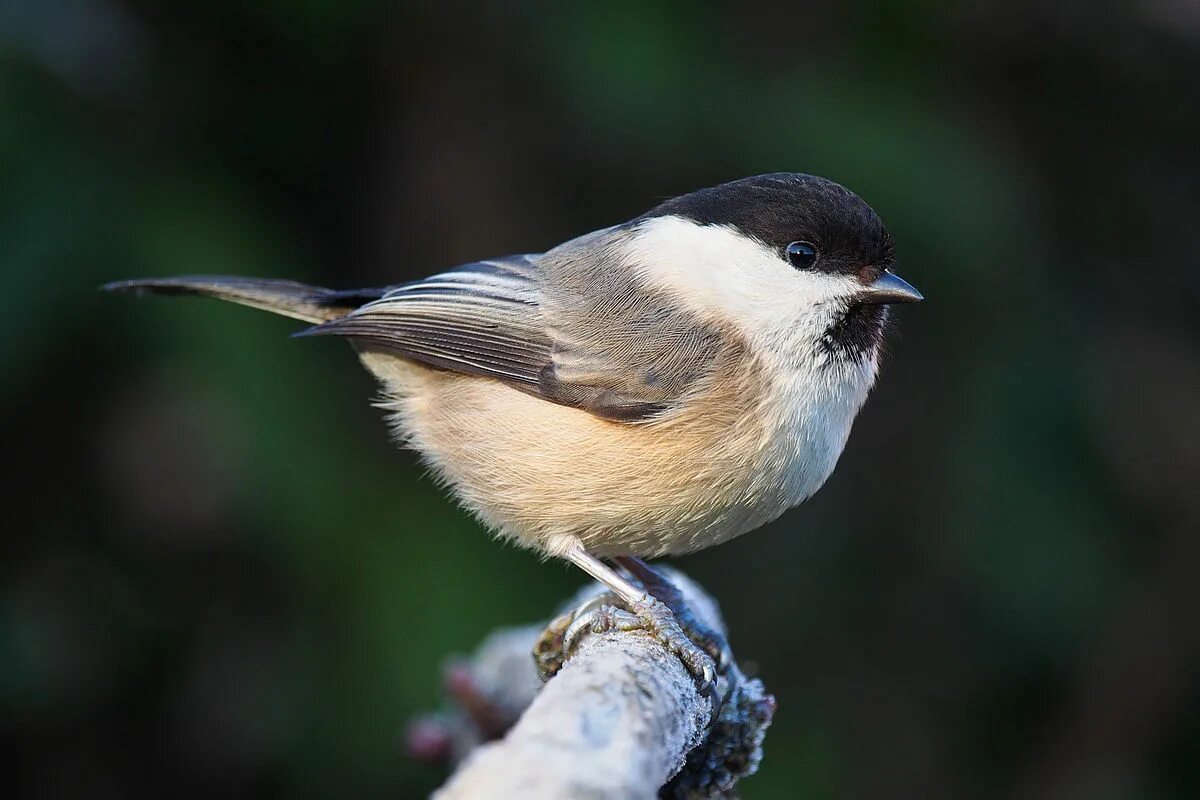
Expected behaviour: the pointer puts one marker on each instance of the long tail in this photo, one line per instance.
(309, 303)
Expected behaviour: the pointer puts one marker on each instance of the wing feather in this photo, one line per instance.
(565, 326)
(482, 318)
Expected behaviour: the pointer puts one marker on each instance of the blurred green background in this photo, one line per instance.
(219, 579)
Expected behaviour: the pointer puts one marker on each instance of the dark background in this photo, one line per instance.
(219, 579)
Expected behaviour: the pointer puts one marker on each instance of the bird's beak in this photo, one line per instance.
(890, 288)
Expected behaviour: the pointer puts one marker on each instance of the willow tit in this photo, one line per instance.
(649, 389)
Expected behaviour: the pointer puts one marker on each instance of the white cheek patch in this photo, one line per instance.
(728, 276)
(812, 396)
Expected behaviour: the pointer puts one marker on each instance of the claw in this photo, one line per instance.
(581, 620)
(724, 658)
(707, 685)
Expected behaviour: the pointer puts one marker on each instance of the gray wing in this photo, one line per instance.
(480, 318)
(566, 326)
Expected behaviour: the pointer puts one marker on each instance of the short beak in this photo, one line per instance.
(890, 288)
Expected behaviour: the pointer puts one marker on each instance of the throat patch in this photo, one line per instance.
(857, 333)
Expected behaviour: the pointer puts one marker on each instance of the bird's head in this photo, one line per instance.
(790, 259)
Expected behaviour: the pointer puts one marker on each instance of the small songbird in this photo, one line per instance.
(649, 389)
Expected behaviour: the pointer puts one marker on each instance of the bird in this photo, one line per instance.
(648, 389)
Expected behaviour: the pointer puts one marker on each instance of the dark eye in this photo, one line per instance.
(802, 255)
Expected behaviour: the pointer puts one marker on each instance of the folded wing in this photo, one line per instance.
(481, 319)
(571, 340)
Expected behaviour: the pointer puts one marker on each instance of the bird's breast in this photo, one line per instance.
(734, 457)
(808, 409)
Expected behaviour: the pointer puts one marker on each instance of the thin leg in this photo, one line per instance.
(605, 574)
(660, 586)
(653, 615)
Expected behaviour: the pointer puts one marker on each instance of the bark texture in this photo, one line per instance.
(622, 718)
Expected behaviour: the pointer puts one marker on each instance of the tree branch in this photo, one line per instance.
(620, 719)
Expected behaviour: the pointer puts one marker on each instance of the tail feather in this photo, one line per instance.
(312, 304)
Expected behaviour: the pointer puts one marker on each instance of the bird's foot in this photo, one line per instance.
(704, 635)
(661, 622)
(607, 612)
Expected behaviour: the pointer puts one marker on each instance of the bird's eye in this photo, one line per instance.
(802, 255)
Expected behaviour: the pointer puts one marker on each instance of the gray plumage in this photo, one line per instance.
(573, 326)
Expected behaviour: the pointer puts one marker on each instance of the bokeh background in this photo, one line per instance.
(219, 579)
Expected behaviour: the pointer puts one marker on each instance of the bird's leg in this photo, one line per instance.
(645, 612)
(660, 586)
